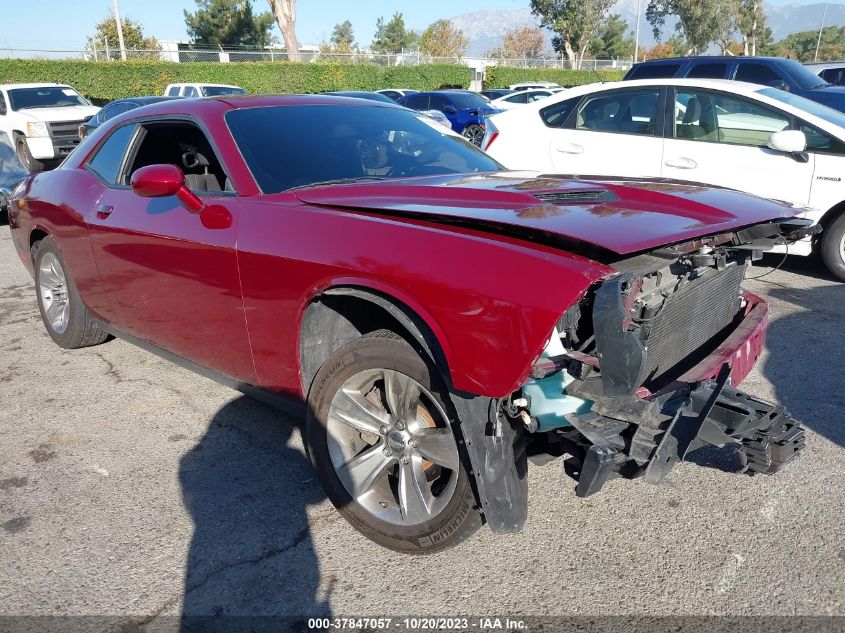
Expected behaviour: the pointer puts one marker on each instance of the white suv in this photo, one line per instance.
(42, 120)
(202, 90)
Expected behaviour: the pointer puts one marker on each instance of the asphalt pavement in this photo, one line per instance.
(133, 488)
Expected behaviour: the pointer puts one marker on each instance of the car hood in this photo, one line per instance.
(619, 215)
(827, 95)
(64, 113)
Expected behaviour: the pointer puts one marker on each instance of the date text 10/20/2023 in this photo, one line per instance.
(486, 623)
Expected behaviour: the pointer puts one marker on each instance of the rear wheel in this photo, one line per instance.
(474, 133)
(383, 447)
(64, 315)
(833, 247)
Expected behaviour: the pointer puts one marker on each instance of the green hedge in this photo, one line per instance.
(501, 76)
(104, 81)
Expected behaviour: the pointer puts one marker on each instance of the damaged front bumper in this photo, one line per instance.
(646, 434)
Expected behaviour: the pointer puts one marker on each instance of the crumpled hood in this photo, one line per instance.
(64, 113)
(620, 215)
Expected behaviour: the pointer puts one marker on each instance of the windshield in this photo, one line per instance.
(48, 97)
(299, 146)
(466, 100)
(806, 79)
(219, 91)
(816, 109)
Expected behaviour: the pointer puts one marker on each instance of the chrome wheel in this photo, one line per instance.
(474, 134)
(391, 447)
(52, 290)
(842, 248)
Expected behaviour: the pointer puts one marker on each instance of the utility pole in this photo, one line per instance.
(821, 28)
(119, 29)
(637, 36)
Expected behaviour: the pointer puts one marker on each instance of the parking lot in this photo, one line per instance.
(131, 486)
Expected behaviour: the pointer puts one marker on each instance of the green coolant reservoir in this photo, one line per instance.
(548, 397)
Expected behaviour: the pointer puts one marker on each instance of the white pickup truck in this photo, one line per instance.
(42, 120)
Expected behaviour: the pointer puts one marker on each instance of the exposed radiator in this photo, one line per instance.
(691, 317)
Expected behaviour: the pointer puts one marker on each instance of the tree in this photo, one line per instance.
(751, 24)
(105, 36)
(285, 13)
(574, 22)
(442, 39)
(700, 22)
(342, 35)
(393, 37)
(613, 40)
(523, 42)
(802, 46)
(675, 46)
(228, 23)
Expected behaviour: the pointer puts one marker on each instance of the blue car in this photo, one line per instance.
(778, 72)
(12, 172)
(113, 108)
(465, 110)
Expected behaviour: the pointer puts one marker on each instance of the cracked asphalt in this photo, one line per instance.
(130, 487)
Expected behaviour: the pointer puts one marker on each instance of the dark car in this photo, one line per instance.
(12, 171)
(778, 72)
(434, 318)
(496, 93)
(465, 110)
(113, 108)
(361, 94)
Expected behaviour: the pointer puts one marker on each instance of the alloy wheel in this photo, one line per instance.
(391, 447)
(52, 289)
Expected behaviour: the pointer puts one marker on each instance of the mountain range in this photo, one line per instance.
(485, 29)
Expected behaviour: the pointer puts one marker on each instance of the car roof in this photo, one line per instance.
(708, 58)
(823, 65)
(33, 85)
(145, 100)
(225, 103)
(202, 83)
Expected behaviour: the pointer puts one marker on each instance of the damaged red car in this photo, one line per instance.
(436, 320)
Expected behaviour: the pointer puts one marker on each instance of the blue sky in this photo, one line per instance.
(63, 24)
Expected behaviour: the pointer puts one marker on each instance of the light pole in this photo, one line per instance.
(637, 35)
(119, 30)
(821, 27)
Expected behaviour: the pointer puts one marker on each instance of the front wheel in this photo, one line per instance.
(25, 156)
(833, 247)
(381, 441)
(474, 133)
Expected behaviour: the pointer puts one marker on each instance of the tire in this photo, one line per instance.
(64, 315)
(474, 133)
(423, 505)
(833, 247)
(31, 164)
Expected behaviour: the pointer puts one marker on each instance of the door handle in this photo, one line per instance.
(681, 163)
(104, 211)
(570, 148)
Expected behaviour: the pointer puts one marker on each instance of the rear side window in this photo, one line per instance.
(190, 91)
(417, 102)
(519, 97)
(835, 76)
(654, 71)
(708, 71)
(173, 91)
(107, 161)
(757, 73)
(557, 114)
(625, 112)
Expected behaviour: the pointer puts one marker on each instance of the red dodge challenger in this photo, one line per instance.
(438, 321)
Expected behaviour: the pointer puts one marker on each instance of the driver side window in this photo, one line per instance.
(184, 145)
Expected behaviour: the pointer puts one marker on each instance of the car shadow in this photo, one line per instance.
(807, 356)
(247, 485)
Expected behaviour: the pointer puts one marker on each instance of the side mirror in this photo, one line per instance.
(787, 141)
(158, 181)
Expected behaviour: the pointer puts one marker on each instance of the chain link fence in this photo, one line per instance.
(180, 53)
